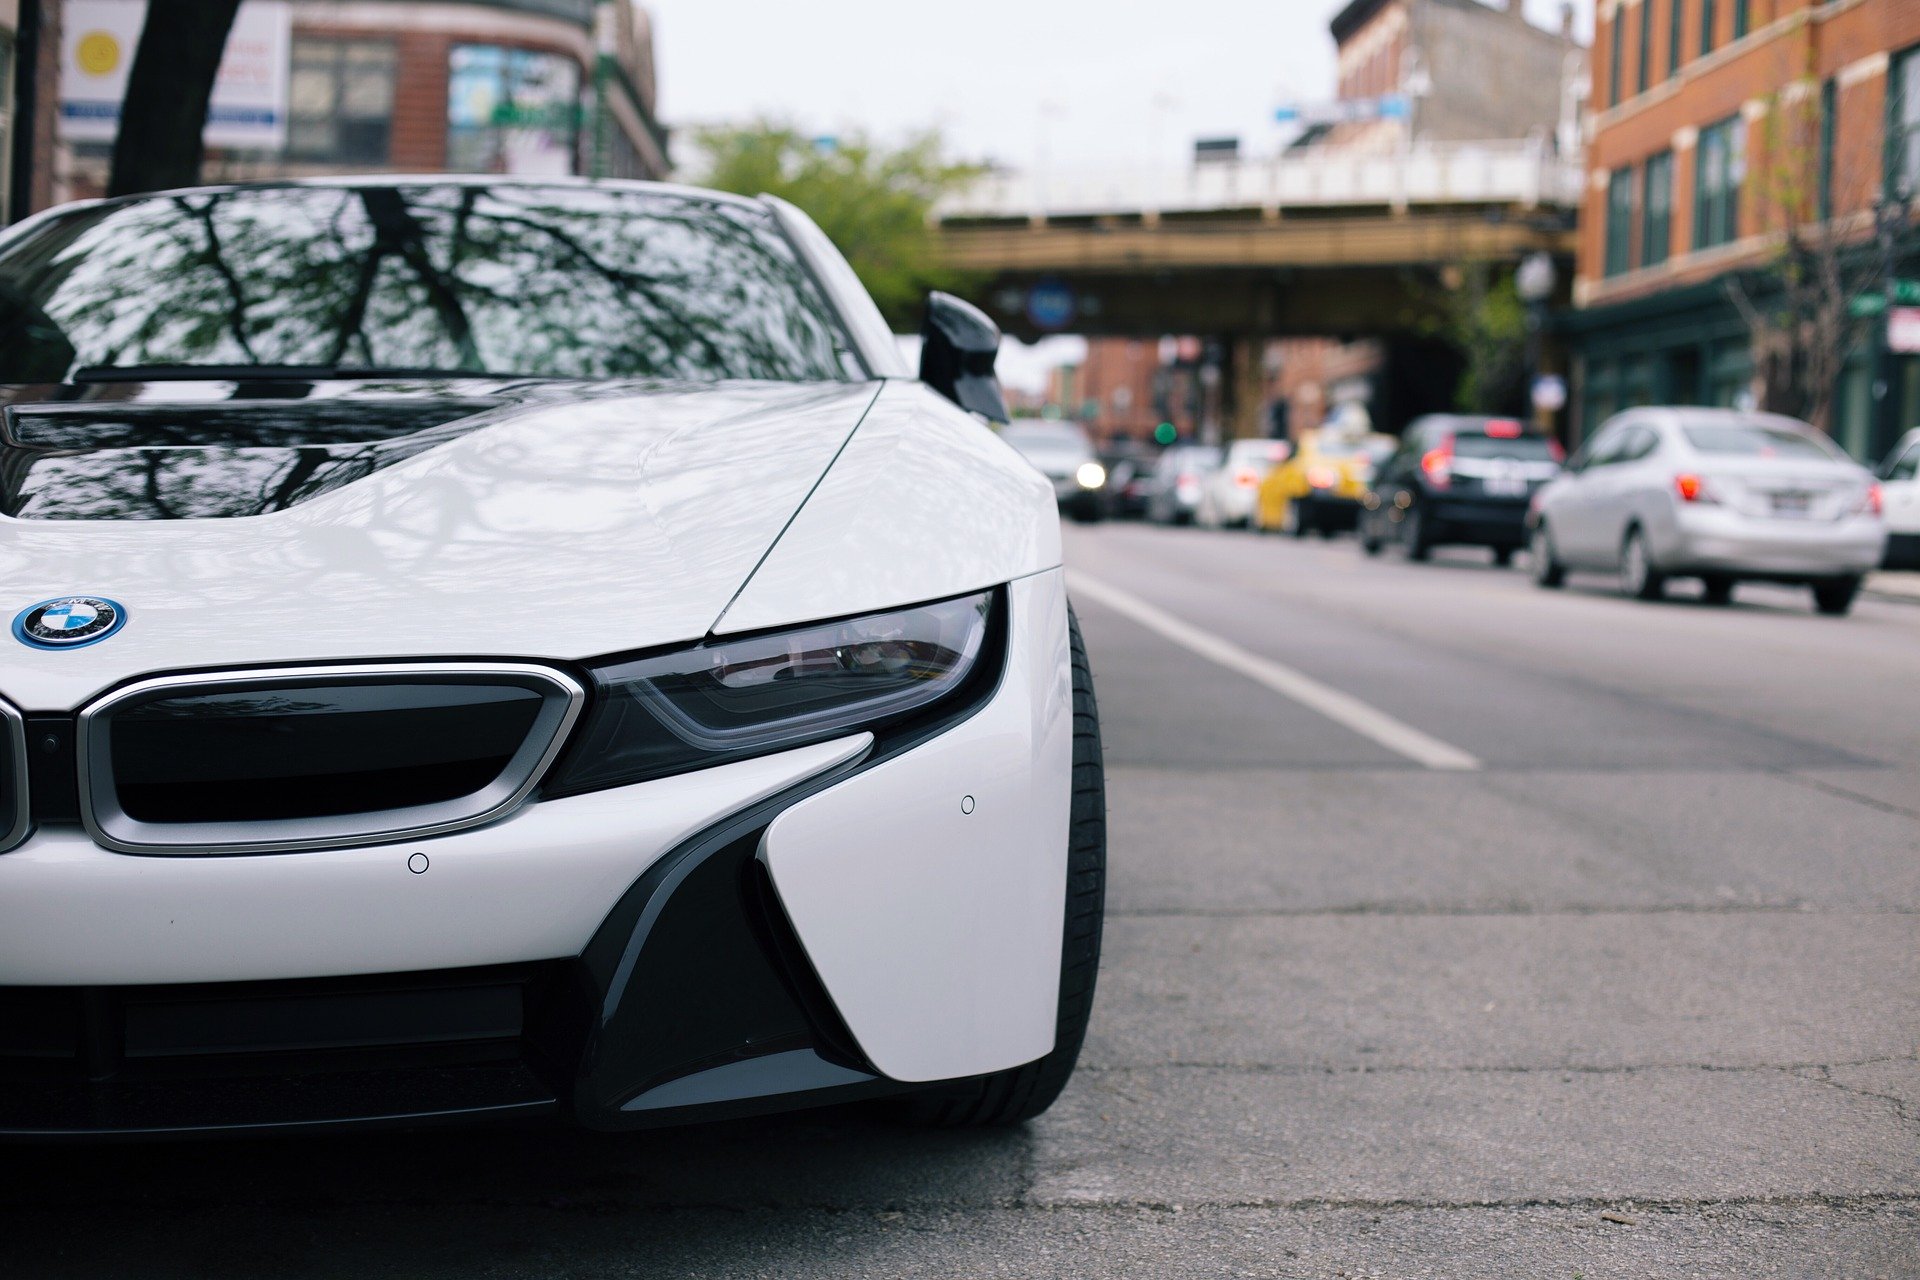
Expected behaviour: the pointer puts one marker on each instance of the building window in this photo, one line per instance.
(1619, 221)
(1829, 111)
(1614, 48)
(1706, 27)
(340, 100)
(1903, 124)
(1656, 210)
(1675, 25)
(1646, 45)
(512, 111)
(1742, 18)
(1716, 184)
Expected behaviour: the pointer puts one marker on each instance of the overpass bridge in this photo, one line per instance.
(1315, 242)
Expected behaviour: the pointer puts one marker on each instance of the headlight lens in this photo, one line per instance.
(730, 699)
(1091, 475)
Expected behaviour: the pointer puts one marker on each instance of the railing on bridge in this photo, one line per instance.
(1523, 173)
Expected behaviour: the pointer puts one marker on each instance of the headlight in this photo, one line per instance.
(729, 699)
(1091, 475)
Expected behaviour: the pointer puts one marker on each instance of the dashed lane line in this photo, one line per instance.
(1342, 708)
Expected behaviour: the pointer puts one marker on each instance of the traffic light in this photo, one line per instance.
(1165, 433)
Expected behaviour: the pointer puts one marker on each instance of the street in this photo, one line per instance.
(1570, 936)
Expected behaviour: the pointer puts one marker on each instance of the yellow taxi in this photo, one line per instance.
(1319, 489)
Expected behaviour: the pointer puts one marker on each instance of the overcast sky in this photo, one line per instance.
(1094, 81)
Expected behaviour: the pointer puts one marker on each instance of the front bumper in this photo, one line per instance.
(1722, 541)
(841, 919)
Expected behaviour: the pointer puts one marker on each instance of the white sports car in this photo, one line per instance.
(486, 649)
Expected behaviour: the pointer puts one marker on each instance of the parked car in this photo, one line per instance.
(1129, 465)
(1319, 489)
(1715, 494)
(512, 649)
(1900, 487)
(1173, 491)
(1227, 492)
(1458, 479)
(1063, 453)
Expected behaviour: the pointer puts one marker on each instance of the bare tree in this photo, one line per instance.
(165, 109)
(1812, 191)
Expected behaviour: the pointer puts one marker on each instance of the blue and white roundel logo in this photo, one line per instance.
(68, 622)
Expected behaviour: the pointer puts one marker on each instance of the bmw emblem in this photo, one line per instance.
(68, 622)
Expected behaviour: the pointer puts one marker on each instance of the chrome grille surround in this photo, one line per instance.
(562, 698)
(16, 812)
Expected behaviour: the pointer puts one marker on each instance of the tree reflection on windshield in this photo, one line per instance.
(522, 280)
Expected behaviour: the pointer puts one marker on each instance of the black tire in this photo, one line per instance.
(1717, 589)
(1547, 569)
(1021, 1093)
(1638, 578)
(1414, 533)
(1503, 556)
(1835, 597)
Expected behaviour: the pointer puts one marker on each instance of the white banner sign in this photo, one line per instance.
(1903, 330)
(249, 106)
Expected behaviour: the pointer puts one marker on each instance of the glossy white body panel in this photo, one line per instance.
(929, 891)
(532, 887)
(563, 531)
(924, 502)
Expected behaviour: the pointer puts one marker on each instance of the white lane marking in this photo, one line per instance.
(1341, 708)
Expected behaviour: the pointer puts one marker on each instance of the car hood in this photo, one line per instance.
(260, 523)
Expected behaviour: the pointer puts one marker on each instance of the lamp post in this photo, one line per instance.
(1892, 216)
(1534, 283)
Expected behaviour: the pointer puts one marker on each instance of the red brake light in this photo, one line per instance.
(1504, 429)
(1322, 477)
(1559, 454)
(1874, 499)
(1246, 479)
(1691, 487)
(1438, 463)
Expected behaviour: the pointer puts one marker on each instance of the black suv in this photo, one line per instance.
(1458, 480)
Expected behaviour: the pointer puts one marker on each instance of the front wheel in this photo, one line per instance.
(1021, 1093)
(1414, 534)
(1836, 597)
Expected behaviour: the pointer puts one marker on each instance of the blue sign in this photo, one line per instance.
(1051, 304)
(1392, 106)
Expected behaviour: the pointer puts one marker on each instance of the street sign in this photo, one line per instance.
(1391, 106)
(1549, 393)
(1905, 293)
(1903, 330)
(1050, 304)
(248, 109)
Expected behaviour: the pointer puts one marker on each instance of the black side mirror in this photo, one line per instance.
(958, 345)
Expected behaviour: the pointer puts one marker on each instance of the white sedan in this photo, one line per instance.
(1714, 494)
(489, 649)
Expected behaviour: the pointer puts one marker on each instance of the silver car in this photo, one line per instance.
(1714, 494)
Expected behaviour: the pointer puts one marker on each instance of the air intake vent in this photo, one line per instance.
(316, 757)
(14, 818)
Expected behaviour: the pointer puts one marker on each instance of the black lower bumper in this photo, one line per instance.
(693, 1002)
(1479, 522)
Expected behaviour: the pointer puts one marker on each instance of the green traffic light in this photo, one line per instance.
(1165, 433)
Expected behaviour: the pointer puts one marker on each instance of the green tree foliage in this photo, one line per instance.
(1482, 315)
(871, 200)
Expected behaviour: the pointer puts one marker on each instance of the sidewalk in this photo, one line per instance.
(1901, 584)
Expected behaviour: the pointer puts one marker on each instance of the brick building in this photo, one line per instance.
(1716, 124)
(460, 86)
(29, 104)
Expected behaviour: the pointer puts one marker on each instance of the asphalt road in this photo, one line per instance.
(1638, 995)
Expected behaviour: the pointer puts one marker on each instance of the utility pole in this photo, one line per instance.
(605, 45)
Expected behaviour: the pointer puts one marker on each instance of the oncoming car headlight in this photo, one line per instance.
(733, 698)
(1091, 475)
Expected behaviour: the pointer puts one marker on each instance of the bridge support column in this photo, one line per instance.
(1247, 387)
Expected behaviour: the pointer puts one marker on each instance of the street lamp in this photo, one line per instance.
(1534, 283)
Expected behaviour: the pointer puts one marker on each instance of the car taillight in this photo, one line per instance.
(1246, 479)
(1871, 502)
(1559, 454)
(1504, 428)
(1437, 463)
(1322, 477)
(1692, 488)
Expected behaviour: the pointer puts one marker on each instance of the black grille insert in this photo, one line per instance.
(268, 754)
(316, 757)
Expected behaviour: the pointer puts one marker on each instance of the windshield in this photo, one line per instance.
(326, 281)
(1048, 438)
(1751, 440)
